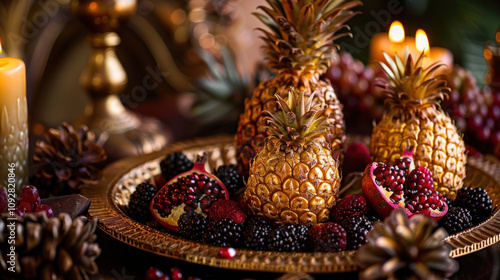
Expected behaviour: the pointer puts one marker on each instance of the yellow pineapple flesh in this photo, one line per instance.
(294, 179)
(414, 118)
(298, 46)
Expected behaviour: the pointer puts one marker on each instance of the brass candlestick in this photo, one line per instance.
(121, 132)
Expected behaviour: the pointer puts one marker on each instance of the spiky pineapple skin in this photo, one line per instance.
(437, 143)
(293, 185)
(251, 131)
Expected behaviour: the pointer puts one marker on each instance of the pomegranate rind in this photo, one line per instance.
(378, 196)
(170, 221)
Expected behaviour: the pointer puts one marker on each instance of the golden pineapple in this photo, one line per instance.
(299, 47)
(414, 118)
(294, 178)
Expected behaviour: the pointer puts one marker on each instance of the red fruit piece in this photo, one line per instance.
(25, 206)
(357, 157)
(46, 208)
(349, 206)
(327, 237)
(419, 181)
(227, 253)
(228, 209)
(192, 190)
(153, 273)
(383, 184)
(176, 273)
(29, 194)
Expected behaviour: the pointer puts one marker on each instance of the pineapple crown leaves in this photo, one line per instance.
(410, 88)
(223, 92)
(302, 33)
(298, 121)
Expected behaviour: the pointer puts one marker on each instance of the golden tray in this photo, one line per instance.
(112, 193)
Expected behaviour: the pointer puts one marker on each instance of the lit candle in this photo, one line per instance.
(434, 54)
(13, 123)
(391, 43)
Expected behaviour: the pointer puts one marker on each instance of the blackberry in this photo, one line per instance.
(456, 220)
(223, 232)
(288, 238)
(477, 201)
(138, 206)
(174, 164)
(192, 225)
(357, 228)
(373, 216)
(230, 177)
(256, 232)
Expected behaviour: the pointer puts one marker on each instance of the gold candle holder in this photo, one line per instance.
(121, 132)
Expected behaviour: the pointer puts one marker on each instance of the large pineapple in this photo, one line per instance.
(294, 178)
(414, 118)
(299, 47)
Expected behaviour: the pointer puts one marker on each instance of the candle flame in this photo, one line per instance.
(0, 47)
(396, 32)
(421, 41)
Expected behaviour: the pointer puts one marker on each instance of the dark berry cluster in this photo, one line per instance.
(230, 177)
(471, 207)
(138, 206)
(174, 164)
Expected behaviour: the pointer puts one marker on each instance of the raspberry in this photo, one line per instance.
(456, 220)
(230, 177)
(349, 206)
(327, 237)
(223, 232)
(357, 228)
(477, 201)
(229, 209)
(192, 225)
(174, 164)
(256, 232)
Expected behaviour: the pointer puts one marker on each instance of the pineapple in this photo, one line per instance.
(414, 118)
(294, 179)
(299, 47)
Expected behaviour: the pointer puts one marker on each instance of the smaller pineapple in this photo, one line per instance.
(294, 179)
(414, 118)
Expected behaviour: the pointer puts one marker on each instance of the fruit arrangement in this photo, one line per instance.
(228, 222)
(28, 202)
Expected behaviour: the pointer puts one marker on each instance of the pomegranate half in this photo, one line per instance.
(195, 189)
(388, 187)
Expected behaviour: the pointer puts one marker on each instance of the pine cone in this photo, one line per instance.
(55, 248)
(66, 160)
(402, 248)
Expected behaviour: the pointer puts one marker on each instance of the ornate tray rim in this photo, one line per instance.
(117, 224)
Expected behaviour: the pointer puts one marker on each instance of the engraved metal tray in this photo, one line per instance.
(112, 194)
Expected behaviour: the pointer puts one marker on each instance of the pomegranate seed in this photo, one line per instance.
(227, 253)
